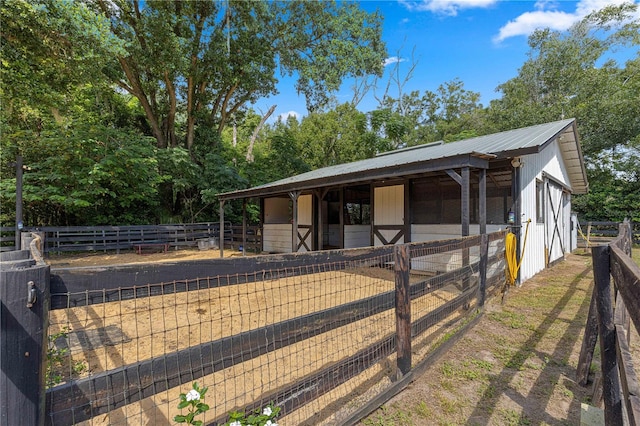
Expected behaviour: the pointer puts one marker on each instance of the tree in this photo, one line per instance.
(574, 74)
(207, 60)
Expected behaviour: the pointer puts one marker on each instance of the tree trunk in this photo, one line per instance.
(256, 131)
(136, 90)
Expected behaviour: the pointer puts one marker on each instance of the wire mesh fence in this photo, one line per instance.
(317, 339)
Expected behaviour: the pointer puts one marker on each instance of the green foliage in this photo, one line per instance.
(573, 75)
(57, 358)
(87, 176)
(259, 417)
(193, 401)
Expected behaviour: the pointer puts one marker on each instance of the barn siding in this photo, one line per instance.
(548, 161)
(276, 238)
(357, 236)
(305, 209)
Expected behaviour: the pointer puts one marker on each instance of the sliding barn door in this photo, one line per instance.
(555, 211)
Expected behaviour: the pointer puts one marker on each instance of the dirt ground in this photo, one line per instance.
(517, 366)
(106, 336)
(67, 260)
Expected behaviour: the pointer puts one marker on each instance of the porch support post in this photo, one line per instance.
(484, 239)
(221, 231)
(516, 228)
(482, 200)
(244, 225)
(294, 223)
(341, 199)
(320, 194)
(465, 201)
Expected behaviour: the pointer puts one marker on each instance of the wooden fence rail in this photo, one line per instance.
(593, 233)
(83, 398)
(610, 320)
(116, 238)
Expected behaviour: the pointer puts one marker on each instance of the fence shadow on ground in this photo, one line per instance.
(516, 363)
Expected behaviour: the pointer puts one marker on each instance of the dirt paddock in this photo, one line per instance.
(107, 336)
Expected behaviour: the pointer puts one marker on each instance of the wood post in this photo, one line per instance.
(24, 313)
(294, 223)
(403, 308)
(588, 343)
(244, 226)
(610, 379)
(484, 257)
(221, 230)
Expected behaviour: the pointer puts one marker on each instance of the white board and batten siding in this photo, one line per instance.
(388, 209)
(450, 261)
(356, 236)
(536, 168)
(276, 230)
(276, 237)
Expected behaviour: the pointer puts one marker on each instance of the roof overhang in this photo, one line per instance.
(473, 160)
(439, 157)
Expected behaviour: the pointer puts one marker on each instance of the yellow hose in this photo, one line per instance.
(510, 247)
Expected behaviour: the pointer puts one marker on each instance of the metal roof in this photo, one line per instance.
(440, 156)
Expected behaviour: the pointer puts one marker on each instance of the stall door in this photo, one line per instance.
(555, 232)
(388, 215)
(305, 223)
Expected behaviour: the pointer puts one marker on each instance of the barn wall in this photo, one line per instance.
(276, 238)
(548, 161)
(276, 210)
(357, 236)
(445, 231)
(305, 209)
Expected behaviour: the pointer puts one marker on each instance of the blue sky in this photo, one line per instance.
(481, 42)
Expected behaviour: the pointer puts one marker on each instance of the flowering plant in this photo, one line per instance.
(264, 417)
(193, 400)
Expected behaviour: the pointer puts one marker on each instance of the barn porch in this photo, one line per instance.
(430, 192)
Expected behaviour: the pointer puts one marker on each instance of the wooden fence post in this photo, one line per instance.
(24, 306)
(484, 256)
(588, 343)
(610, 378)
(403, 309)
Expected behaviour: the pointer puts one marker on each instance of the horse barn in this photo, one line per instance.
(522, 179)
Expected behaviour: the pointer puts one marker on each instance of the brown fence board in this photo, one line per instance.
(113, 389)
(626, 275)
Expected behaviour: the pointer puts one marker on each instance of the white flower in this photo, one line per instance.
(270, 423)
(193, 395)
(236, 423)
(267, 412)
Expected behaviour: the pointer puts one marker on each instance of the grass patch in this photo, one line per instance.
(512, 320)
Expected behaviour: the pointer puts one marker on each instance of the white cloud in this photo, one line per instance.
(547, 16)
(445, 7)
(392, 60)
(288, 114)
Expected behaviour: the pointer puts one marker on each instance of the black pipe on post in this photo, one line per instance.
(24, 313)
(19, 224)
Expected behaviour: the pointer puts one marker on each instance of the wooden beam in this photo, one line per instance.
(588, 343)
(294, 223)
(482, 200)
(610, 379)
(401, 266)
(221, 230)
(455, 176)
